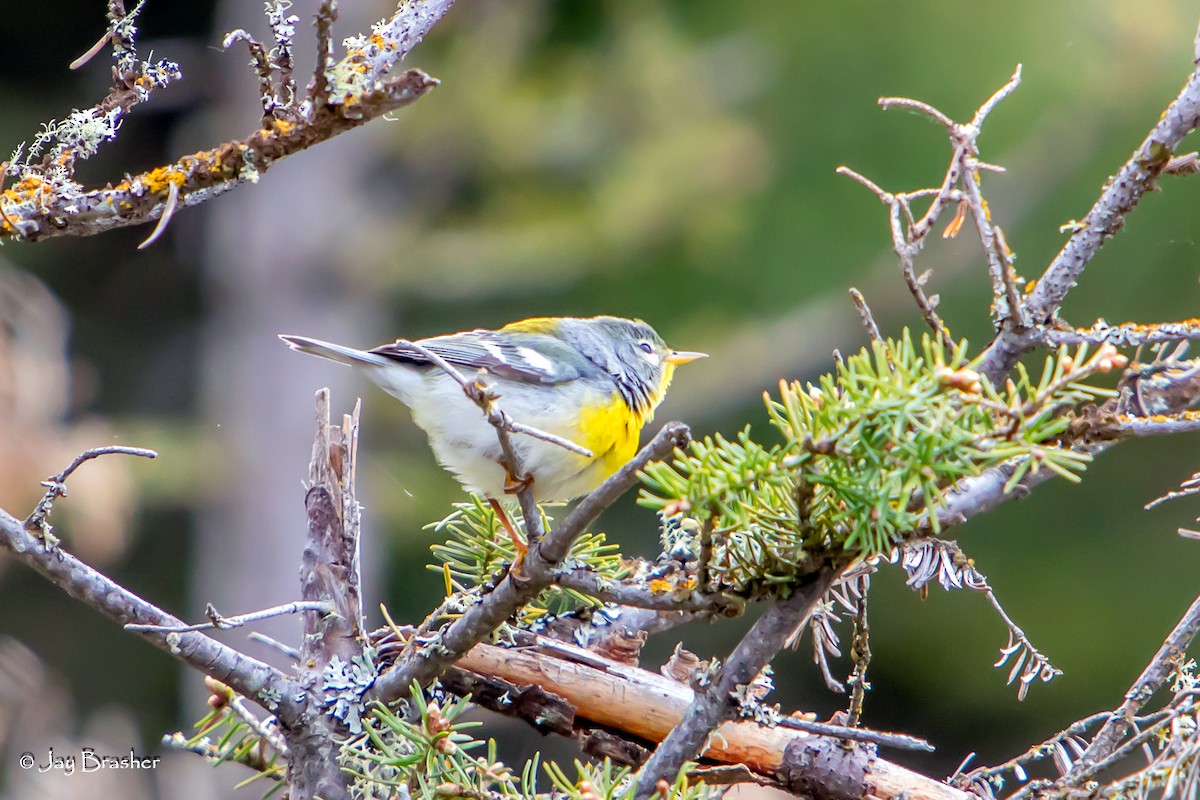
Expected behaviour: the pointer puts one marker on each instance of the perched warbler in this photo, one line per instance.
(594, 381)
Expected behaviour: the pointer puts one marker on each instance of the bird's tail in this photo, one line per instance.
(334, 352)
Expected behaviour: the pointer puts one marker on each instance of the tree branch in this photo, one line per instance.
(1107, 216)
(721, 700)
(262, 683)
(1168, 659)
(46, 201)
(645, 706)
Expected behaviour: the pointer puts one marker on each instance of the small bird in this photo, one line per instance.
(592, 381)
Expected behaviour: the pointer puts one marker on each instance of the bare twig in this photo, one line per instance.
(215, 620)
(990, 104)
(275, 644)
(56, 484)
(864, 313)
(263, 728)
(252, 758)
(262, 69)
(900, 741)
(92, 51)
(887, 103)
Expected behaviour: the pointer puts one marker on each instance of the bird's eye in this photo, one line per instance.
(647, 348)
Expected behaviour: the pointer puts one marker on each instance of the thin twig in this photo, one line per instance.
(262, 68)
(275, 644)
(900, 741)
(864, 313)
(215, 620)
(1034, 753)
(263, 728)
(206, 749)
(165, 219)
(887, 198)
(887, 103)
(860, 656)
(56, 484)
(1016, 305)
(990, 104)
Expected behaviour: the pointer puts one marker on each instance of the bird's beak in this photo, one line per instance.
(677, 357)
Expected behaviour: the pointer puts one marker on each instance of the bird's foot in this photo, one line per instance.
(514, 484)
(518, 543)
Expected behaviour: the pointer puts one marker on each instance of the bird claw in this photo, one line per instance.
(514, 485)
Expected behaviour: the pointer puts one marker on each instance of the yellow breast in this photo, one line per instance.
(610, 430)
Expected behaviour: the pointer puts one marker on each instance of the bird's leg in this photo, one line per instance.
(502, 515)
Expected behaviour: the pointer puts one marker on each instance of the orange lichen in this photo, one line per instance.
(281, 126)
(660, 586)
(159, 179)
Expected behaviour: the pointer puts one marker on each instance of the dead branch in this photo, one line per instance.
(646, 706)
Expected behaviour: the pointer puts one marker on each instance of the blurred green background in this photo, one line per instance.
(664, 159)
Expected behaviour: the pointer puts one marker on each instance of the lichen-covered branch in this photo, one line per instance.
(1167, 660)
(333, 645)
(45, 200)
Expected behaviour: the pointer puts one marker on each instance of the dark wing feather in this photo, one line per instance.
(527, 357)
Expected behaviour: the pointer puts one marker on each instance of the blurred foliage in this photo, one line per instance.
(671, 159)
